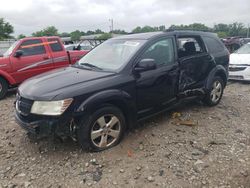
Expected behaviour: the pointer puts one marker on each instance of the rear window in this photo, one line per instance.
(213, 45)
(55, 45)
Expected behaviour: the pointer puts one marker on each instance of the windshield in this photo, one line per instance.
(111, 55)
(245, 49)
(11, 48)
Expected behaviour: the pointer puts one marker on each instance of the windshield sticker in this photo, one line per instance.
(131, 43)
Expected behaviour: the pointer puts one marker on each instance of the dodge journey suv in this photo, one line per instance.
(122, 81)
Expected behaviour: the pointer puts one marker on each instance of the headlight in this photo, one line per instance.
(50, 108)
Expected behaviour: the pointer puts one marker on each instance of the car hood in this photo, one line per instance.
(240, 59)
(61, 83)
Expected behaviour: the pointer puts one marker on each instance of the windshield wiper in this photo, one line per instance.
(91, 66)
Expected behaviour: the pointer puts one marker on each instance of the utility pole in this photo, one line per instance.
(111, 25)
(248, 30)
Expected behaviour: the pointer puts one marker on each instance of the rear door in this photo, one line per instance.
(195, 62)
(35, 59)
(155, 88)
(58, 53)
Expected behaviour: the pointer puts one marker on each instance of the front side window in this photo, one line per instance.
(32, 47)
(161, 51)
(112, 54)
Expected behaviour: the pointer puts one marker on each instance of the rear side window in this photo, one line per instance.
(32, 47)
(55, 45)
(189, 46)
(213, 45)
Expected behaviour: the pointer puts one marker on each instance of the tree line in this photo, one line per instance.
(223, 30)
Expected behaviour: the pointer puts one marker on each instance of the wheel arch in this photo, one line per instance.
(120, 99)
(220, 71)
(7, 77)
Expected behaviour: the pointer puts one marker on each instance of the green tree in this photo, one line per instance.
(137, 30)
(90, 32)
(237, 29)
(118, 31)
(145, 29)
(75, 35)
(48, 31)
(98, 31)
(65, 34)
(194, 26)
(5, 29)
(21, 36)
(221, 27)
(162, 28)
(105, 36)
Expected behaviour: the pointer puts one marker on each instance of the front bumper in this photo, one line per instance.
(42, 127)
(239, 72)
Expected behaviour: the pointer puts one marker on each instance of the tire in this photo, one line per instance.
(3, 88)
(215, 92)
(102, 129)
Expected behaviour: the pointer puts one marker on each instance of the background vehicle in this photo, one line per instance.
(239, 68)
(31, 56)
(78, 47)
(122, 81)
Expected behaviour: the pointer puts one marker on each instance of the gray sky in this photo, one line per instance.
(28, 16)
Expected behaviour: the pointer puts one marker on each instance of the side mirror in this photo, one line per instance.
(18, 53)
(145, 65)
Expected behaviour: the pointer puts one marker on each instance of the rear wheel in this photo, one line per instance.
(3, 88)
(215, 93)
(101, 130)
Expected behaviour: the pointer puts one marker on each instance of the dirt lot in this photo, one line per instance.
(158, 153)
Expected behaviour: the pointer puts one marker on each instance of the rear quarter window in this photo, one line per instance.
(213, 45)
(55, 45)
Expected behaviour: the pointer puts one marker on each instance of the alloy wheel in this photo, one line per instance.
(105, 131)
(216, 91)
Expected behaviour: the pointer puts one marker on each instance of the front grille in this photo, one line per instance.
(23, 105)
(236, 77)
(234, 69)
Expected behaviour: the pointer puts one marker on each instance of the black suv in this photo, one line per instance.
(120, 82)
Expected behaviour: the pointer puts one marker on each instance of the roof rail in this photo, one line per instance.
(187, 29)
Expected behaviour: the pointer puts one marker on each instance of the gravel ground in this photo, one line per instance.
(212, 151)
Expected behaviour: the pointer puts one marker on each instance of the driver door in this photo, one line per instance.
(34, 60)
(155, 88)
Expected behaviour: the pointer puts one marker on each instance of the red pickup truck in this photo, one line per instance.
(31, 56)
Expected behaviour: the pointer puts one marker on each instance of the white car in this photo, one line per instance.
(239, 66)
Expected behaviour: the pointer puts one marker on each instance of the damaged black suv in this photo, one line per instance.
(120, 82)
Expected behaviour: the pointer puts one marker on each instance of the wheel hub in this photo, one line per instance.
(105, 131)
(216, 91)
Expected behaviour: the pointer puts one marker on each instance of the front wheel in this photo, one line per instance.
(215, 93)
(101, 130)
(3, 88)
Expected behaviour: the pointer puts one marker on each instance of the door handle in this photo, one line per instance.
(45, 57)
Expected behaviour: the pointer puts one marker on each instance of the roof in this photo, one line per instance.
(149, 35)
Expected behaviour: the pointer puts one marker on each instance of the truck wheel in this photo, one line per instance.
(3, 88)
(215, 93)
(101, 130)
